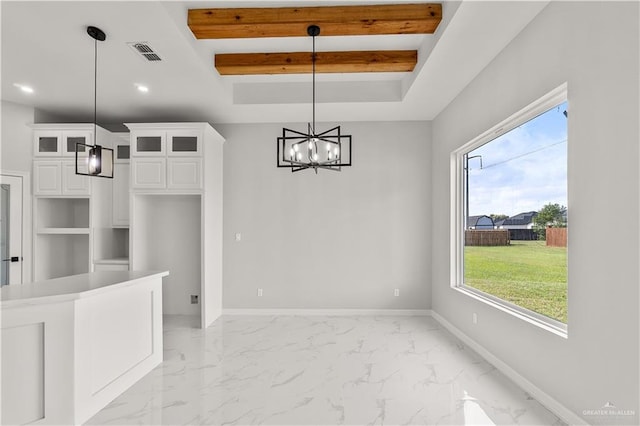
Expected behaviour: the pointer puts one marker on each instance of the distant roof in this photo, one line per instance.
(520, 219)
(481, 220)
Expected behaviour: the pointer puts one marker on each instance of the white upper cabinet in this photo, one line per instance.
(167, 156)
(73, 184)
(47, 177)
(54, 152)
(55, 140)
(120, 205)
(184, 173)
(121, 179)
(58, 177)
(149, 173)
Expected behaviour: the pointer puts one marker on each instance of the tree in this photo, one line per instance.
(553, 215)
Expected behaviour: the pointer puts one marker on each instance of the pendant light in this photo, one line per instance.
(94, 160)
(328, 150)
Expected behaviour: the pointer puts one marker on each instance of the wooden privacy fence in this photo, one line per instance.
(556, 237)
(498, 237)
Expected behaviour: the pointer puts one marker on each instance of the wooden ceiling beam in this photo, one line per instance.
(332, 20)
(326, 62)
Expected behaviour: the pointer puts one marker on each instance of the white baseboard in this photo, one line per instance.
(328, 312)
(542, 397)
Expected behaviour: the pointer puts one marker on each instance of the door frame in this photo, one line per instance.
(27, 240)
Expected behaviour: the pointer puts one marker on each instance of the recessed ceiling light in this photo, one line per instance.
(25, 89)
(142, 88)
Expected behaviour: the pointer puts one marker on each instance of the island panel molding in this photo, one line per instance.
(83, 352)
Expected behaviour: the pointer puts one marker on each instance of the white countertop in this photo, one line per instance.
(72, 287)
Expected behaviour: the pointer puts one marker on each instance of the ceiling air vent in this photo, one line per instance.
(143, 49)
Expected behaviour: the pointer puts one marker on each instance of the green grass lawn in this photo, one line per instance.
(526, 273)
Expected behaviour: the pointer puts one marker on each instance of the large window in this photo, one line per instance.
(511, 215)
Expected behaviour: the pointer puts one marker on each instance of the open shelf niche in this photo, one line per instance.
(62, 213)
(167, 237)
(176, 213)
(62, 237)
(61, 255)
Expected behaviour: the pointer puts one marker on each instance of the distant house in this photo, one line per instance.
(520, 226)
(480, 222)
(519, 221)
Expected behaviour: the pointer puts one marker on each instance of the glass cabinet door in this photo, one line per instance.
(47, 144)
(71, 144)
(148, 144)
(184, 142)
(123, 152)
(71, 138)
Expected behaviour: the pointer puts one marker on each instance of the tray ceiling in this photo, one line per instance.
(45, 46)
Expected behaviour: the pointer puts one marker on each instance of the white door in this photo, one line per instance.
(10, 230)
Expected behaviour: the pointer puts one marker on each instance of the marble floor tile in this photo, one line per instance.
(317, 370)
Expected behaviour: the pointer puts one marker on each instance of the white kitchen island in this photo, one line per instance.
(71, 345)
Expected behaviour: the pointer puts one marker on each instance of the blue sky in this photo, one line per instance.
(523, 169)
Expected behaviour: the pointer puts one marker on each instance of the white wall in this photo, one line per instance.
(17, 147)
(331, 240)
(594, 47)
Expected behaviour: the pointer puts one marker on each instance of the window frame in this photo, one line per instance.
(458, 212)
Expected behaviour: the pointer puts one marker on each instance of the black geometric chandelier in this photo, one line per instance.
(94, 160)
(329, 150)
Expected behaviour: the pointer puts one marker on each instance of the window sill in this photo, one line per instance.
(523, 314)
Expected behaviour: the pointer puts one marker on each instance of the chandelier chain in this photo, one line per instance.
(95, 89)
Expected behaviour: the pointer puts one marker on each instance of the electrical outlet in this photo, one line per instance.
(238, 236)
(474, 318)
(194, 299)
(259, 292)
(396, 292)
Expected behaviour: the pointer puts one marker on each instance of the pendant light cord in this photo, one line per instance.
(95, 90)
